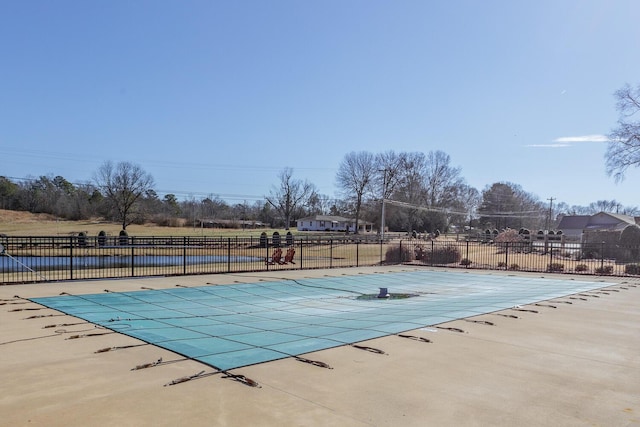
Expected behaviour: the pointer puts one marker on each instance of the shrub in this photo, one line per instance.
(632, 269)
(502, 264)
(465, 261)
(581, 267)
(508, 236)
(443, 255)
(555, 267)
(419, 252)
(514, 266)
(396, 254)
(607, 269)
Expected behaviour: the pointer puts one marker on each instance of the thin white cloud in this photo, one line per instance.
(584, 138)
(559, 145)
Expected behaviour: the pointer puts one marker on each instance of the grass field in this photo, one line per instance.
(15, 223)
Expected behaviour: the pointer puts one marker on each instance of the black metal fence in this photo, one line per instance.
(37, 259)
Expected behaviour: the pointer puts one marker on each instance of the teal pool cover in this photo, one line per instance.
(230, 326)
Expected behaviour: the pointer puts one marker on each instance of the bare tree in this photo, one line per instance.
(123, 185)
(289, 195)
(442, 181)
(355, 177)
(623, 150)
(389, 174)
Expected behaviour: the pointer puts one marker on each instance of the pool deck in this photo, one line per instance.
(573, 365)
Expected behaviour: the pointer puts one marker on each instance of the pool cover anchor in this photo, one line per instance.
(241, 378)
(122, 347)
(238, 377)
(545, 305)
(480, 322)
(147, 365)
(461, 331)
(313, 362)
(369, 349)
(525, 310)
(415, 338)
(40, 316)
(181, 380)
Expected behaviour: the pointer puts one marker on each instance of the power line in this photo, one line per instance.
(504, 214)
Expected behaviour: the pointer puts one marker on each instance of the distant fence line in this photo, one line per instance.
(42, 259)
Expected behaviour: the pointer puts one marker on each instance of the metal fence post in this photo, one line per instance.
(467, 256)
(330, 253)
(432, 255)
(266, 253)
(184, 255)
(506, 256)
(358, 253)
(71, 257)
(229, 255)
(133, 258)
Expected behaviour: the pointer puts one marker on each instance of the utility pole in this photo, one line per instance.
(384, 195)
(550, 199)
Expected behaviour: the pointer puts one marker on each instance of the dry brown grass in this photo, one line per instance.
(16, 223)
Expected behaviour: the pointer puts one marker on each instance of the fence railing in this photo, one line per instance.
(37, 259)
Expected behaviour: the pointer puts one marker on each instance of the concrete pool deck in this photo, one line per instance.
(575, 364)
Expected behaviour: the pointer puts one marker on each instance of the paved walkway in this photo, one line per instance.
(572, 360)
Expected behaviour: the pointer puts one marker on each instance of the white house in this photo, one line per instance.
(332, 223)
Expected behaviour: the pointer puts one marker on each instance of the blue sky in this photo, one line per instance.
(217, 97)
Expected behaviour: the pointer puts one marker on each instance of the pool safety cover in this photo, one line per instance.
(230, 326)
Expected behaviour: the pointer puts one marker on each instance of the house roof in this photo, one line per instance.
(327, 218)
(334, 218)
(599, 221)
(574, 222)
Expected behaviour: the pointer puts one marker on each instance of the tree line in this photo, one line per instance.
(421, 192)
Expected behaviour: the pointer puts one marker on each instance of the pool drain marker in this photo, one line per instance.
(415, 338)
